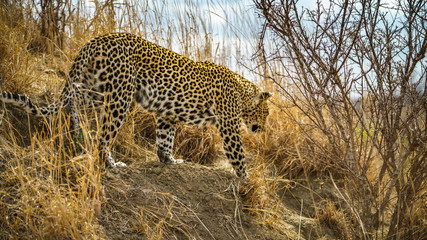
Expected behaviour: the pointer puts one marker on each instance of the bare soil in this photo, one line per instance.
(193, 200)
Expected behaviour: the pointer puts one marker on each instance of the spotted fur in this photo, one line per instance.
(114, 69)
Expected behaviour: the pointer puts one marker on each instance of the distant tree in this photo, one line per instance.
(51, 18)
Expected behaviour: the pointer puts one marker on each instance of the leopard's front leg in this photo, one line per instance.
(229, 129)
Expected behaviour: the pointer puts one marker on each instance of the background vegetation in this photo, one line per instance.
(348, 115)
(357, 69)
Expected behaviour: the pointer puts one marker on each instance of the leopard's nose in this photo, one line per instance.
(255, 128)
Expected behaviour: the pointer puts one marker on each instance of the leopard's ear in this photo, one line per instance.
(261, 97)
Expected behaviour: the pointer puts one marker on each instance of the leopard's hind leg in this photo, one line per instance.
(165, 134)
(116, 106)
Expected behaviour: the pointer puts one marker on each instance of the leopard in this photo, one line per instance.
(112, 71)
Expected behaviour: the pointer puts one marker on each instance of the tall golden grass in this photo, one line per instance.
(46, 192)
(52, 188)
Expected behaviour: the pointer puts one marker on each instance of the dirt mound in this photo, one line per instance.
(181, 200)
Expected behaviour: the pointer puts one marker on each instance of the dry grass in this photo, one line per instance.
(335, 219)
(160, 220)
(41, 190)
(136, 139)
(261, 197)
(49, 191)
(197, 144)
(274, 159)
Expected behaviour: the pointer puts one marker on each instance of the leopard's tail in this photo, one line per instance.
(28, 105)
(67, 94)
